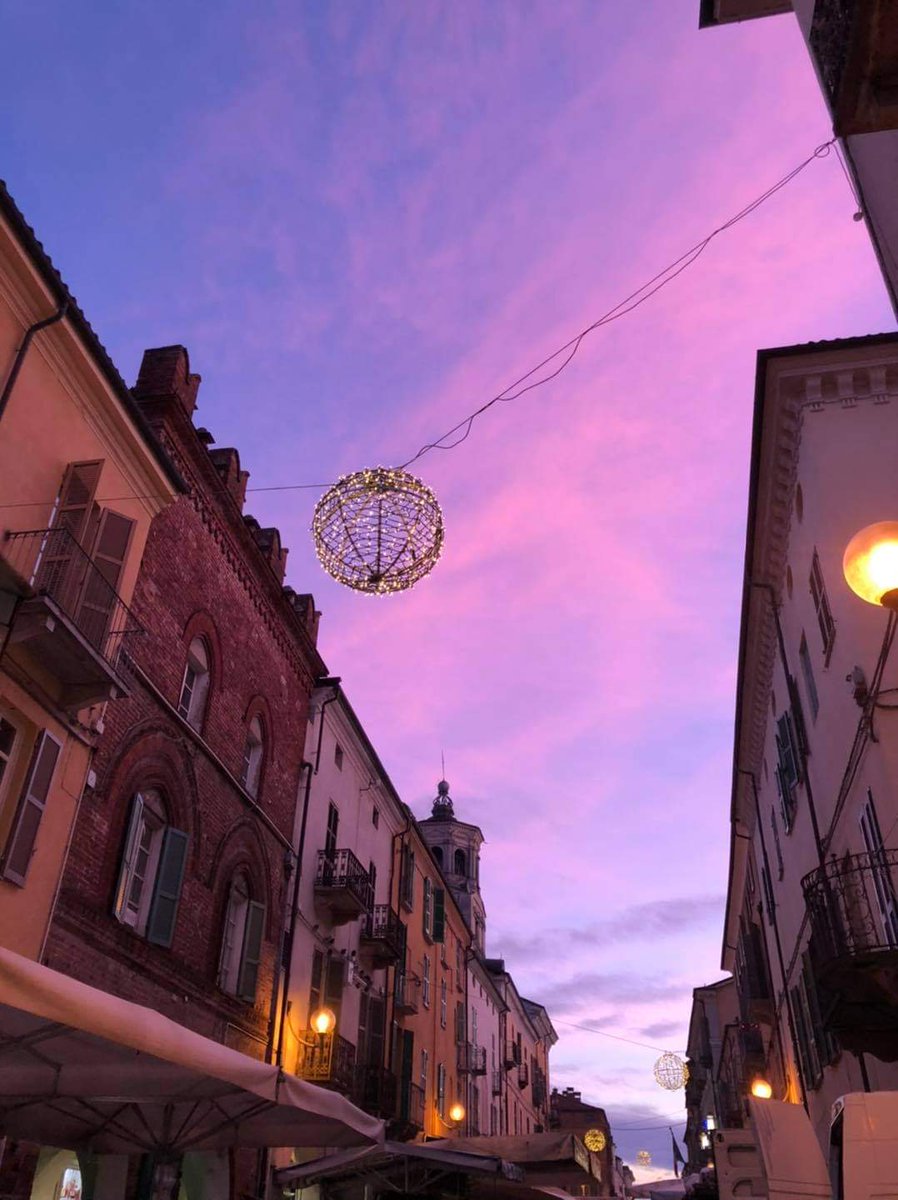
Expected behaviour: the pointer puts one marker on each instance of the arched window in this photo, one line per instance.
(438, 854)
(461, 863)
(253, 756)
(151, 871)
(241, 941)
(195, 686)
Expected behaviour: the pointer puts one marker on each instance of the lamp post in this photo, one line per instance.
(870, 564)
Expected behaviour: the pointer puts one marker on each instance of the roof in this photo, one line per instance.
(79, 322)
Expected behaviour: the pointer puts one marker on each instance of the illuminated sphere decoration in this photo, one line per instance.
(378, 531)
(644, 1158)
(671, 1072)
(594, 1139)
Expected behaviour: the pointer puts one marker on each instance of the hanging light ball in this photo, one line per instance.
(644, 1158)
(378, 531)
(671, 1072)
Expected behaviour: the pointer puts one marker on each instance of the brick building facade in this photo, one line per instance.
(177, 883)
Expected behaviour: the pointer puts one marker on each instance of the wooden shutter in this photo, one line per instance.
(361, 1046)
(333, 824)
(131, 843)
(408, 1055)
(459, 1022)
(315, 984)
(23, 835)
(167, 893)
(427, 908)
(333, 985)
(439, 915)
(377, 1012)
(100, 591)
(76, 497)
(60, 569)
(252, 951)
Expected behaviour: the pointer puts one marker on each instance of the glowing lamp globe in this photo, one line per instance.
(323, 1021)
(457, 1113)
(378, 531)
(671, 1072)
(870, 564)
(761, 1088)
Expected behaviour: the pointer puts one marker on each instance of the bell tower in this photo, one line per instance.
(456, 847)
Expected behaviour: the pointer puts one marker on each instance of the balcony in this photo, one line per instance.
(374, 1090)
(523, 1075)
(343, 886)
(383, 936)
(405, 994)
(471, 1060)
(539, 1093)
(70, 621)
(853, 909)
(855, 45)
(409, 1111)
(742, 1057)
(512, 1055)
(327, 1059)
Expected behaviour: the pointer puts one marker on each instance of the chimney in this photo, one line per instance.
(304, 606)
(269, 542)
(165, 374)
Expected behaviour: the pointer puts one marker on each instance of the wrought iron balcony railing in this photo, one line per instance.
(405, 993)
(383, 934)
(63, 586)
(855, 45)
(343, 884)
(539, 1093)
(497, 1083)
(410, 1110)
(523, 1075)
(512, 1055)
(328, 1059)
(853, 907)
(471, 1060)
(374, 1090)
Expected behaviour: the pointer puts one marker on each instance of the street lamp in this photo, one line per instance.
(457, 1113)
(761, 1088)
(323, 1021)
(870, 564)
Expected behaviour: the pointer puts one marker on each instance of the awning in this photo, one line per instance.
(532, 1150)
(80, 1068)
(414, 1168)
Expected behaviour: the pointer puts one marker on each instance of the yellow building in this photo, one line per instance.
(81, 477)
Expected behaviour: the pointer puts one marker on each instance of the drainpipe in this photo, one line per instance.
(23, 350)
(400, 837)
(310, 770)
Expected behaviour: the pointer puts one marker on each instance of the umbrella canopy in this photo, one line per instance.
(82, 1069)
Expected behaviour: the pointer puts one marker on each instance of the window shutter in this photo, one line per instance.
(20, 846)
(377, 1011)
(124, 874)
(59, 573)
(439, 914)
(333, 985)
(315, 985)
(252, 951)
(167, 893)
(427, 908)
(100, 591)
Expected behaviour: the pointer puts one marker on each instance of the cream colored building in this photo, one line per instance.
(811, 928)
(81, 477)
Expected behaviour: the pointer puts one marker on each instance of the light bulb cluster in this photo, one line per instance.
(378, 531)
(671, 1072)
(644, 1158)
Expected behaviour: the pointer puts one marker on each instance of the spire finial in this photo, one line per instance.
(442, 805)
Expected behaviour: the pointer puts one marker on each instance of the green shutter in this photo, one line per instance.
(31, 808)
(252, 951)
(167, 893)
(439, 915)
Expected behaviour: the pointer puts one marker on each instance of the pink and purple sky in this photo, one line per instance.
(365, 217)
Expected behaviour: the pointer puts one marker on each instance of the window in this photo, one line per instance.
(437, 852)
(326, 986)
(253, 753)
(407, 879)
(461, 863)
(474, 1027)
(372, 875)
(195, 686)
(425, 1056)
(441, 1089)
(338, 756)
(459, 967)
(776, 843)
(152, 871)
(460, 1022)
(241, 943)
(438, 924)
(822, 609)
(807, 1049)
(443, 1003)
(807, 670)
(880, 871)
(427, 911)
(330, 837)
(32, 802)
(425, 982)
(768, 894)
(375, 817)
(788, 773)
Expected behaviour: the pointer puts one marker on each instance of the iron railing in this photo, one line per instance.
(328, 1059)
(512, 1055)
(853, 908)
(471, 1059)
(384, 928)
(405, 993)
(53, 564)
(523, 1075)
(741, 1058)
(374, 1090)
(340, 870)
(497, 1083)
(411, 1105)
